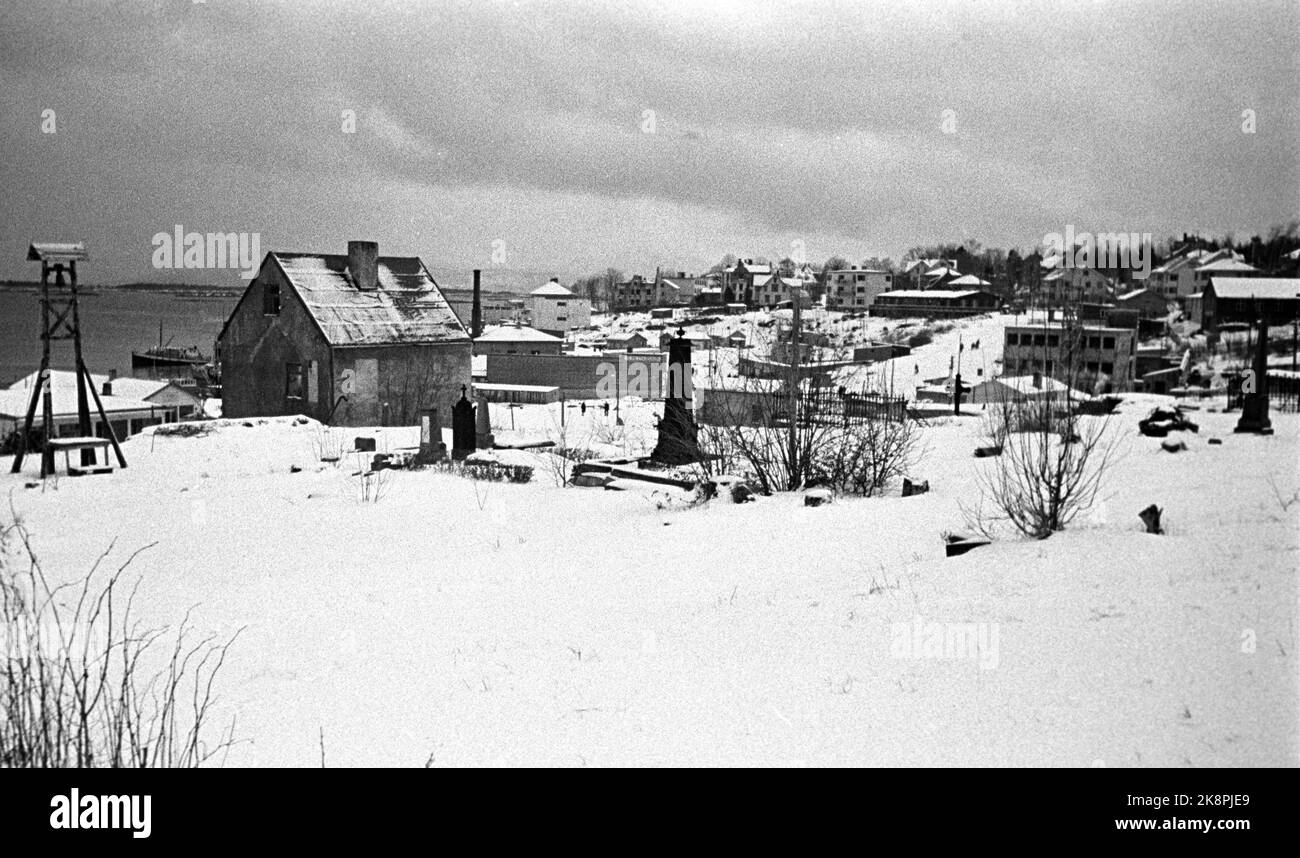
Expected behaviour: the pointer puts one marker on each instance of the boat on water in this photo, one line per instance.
(165, 357)
(168, 357)
(186, 367)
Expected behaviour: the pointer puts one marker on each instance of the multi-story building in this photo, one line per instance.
(774, 290)
(635, 293)
(856, 288)
(744, 279)
(928, 273)
(1188, 271)
(1082, 356)
(556, 310)
(1073, 286)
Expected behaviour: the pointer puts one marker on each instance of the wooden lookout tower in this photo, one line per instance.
(61, 320)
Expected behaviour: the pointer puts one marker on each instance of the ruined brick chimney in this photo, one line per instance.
(363, 264)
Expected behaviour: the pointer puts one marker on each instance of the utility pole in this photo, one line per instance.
(796, 338)
(956, 382)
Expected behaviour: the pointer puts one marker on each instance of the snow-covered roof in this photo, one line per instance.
(1270, 288)
(929, 293)
(552, 289)
(63, 388)
(1129, 296)
(1027, 386)
(1227, 265)
(407, 307)
(516, 334)
(968, 280)
(65, 381)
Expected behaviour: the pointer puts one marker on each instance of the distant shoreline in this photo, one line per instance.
(179, 290)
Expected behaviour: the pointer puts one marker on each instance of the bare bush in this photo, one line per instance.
(561, 458)
(787, 440)
(76, 690)
(1052, 465)
(867, 457)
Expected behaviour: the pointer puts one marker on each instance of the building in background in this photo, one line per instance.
(557, 310)
(1062, 287)
(934, 303)
(1148, 303)
(131, 404)
(1276, 300)
(1083, 356)
(743, 279)
(1188, 271)
(517, 340)
(855, 288)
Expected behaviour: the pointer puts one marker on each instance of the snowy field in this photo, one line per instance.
(463, 623)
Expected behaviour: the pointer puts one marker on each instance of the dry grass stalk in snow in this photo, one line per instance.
(77, 691)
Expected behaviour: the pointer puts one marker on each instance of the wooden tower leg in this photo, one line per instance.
(31, 417)
(112, 436)
(83, 376)
(47, 453)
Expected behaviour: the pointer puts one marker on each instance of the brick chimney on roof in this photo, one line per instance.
(363, 264)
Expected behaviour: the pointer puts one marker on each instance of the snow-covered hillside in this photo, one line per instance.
(477, 623)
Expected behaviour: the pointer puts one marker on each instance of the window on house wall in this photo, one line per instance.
(294, 386)
(1108, 368)
(1053, 341)
(1108, 343)
(271, 298)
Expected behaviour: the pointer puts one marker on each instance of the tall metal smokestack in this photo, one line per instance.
(476, 315)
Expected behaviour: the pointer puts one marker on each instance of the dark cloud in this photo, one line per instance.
(528, 122)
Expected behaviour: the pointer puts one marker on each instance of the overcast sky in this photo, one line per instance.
(523, 126)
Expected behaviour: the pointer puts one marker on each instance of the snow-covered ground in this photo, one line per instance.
(479, 623)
